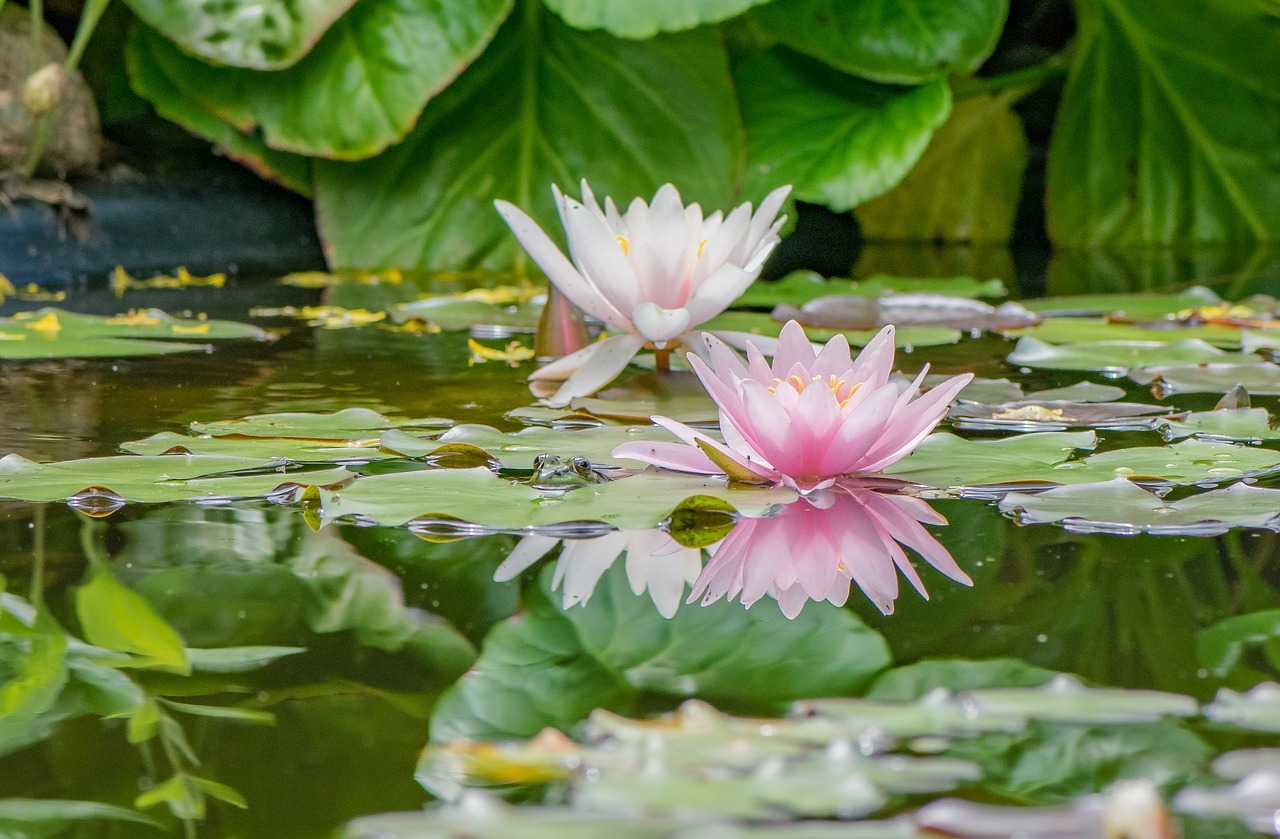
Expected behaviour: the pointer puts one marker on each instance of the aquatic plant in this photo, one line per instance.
(652, 274)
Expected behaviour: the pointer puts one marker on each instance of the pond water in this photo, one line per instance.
(351, 638)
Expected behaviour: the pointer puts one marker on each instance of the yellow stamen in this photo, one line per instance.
(701, 245)
(625, 244)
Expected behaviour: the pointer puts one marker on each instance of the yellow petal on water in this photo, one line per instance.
(512, 354)
(199, 329)
(47, 325)
(135, 317)
(1029, 412)
(121, 281)
(6, 287)
(9, 336)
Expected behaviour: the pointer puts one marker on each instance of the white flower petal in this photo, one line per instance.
(659, 324)
(527, 551)
(609, 358)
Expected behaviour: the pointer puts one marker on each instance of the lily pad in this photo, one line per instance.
(758, 323)
(850, 312)
(939, 713)
(1257, 710)
(460, 312)
(1121, 507)
(347, 424)
(1088, 330)
(294, 450)
(1065, 699)
(1116, 357)
(1055, 415)
(1137, 305)
(55, 333)
(799, 287)
(517, 451)
(945, 460)
(1183, 463)
(154, 479)
(1258, 377)
(1247, 425)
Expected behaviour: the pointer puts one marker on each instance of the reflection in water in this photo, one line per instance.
(815, 548)
(655, 563)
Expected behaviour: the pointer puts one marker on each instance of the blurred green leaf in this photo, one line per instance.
(545, 104)
(27, 818)
(360, 89)
(644, 20)
(838, 139)
(550, 666)
(32, 674)
(911, 682)
(967, 184)
(114, 616)
(1159, 140)
(245, 33)
(223, 712)
(902, 41)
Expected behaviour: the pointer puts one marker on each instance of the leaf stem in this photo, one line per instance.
(36, 595)
(1026, 78)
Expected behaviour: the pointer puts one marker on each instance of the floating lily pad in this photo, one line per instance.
(480, 497)
(461, 312)
(1065, 699)
(347, 424)
(1055, 415)
(153, 479)
(1258, 377)
(1258, 710)
(1138, 305)
(1254, 800)
(1121, 507)
(1183, 463)
(1248, 425)
(944, 460)
(799, 287)
(1116, 357)
(517, 451)
(1252, 340)
(758, 323)
(938, 712)
(293, 449)
(845, 312)
(1087, 330)
(55, 333)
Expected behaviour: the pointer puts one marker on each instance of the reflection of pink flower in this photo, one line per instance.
(655, 563)
(814, 548)
(652, 274)
(807, 419)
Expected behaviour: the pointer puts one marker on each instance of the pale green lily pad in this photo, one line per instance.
(1258, 377)
(1137, 305)
(1055, 415)
(480, 497)
(293, 449)
(1064, 699)
(1246, 425)
(846, 313)
(800, 287)
(1187, 462)
(517, 451)
(945, 460)
(1257, 710)
(453, 313)
(55, 333)
(1121, 507)
(1089, 330)
(1115, 357)
(154, 479)
(938, 712)
(481, 817)
(759, 323)
(347, 424)
(1252, 340)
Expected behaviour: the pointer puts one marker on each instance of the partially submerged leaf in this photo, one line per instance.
(114, 616)
(850, 312)
(55, 333)
(346, 424)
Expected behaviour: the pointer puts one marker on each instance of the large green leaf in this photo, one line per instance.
(358, 91)
(551, 667)
(839, 140)
(890, 40)
(56, 333)
(644, 20)
(244, 33)
(967, 184)
(117, 618)
(545, 104)
(1167, 132)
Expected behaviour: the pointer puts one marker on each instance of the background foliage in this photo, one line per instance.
(406, 118)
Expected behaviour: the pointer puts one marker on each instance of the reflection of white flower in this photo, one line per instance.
(652, 274)
(655, 563)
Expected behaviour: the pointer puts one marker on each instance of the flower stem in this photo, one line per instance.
(662, 360)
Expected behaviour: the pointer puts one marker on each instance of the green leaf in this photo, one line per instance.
(222, 792)
(518, 450)
(1252, 425)
(244, 33)
(348, 424)
(550, 667)
(1116, 357)
(183, 798)
(237, 659)
(1157, 140)
(799, 287)
(1259, 378)
(1077, 330)
(967, 184)
(902, 41)
(52, 813)
(148, 79)
(35, 672)
(114, 616)
(944, 460)
(913, 681)
(1137, 306)
(545, 104)
(223, 712)
(837, 139)
(759, 323)
(644, 20)
(1221, 647)
(292, 449)
(360, 89)
(56, 333)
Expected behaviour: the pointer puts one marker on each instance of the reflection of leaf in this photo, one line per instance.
(116, 617)
(890, 40)
(1157, 139)
(647, 112)
(838, 139)
(1221, 647)
(550, 667)
(967, 184)
(24, 818)
(380, 61)
(644, 20)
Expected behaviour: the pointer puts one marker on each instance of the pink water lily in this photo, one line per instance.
(652, 275)
(816, 547)
(805, 420)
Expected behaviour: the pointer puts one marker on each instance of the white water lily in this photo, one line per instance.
(652, 275)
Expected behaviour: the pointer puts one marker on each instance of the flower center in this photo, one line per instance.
(836, 384)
